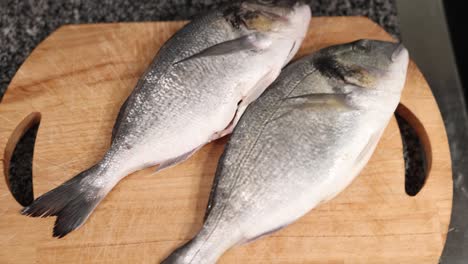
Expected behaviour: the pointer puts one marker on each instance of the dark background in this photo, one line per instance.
(456, 21)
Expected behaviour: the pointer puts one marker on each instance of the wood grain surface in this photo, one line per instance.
(75, 82)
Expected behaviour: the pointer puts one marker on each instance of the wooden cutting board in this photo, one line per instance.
(75, 82)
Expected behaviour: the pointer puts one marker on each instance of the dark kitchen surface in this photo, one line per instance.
(455, 19)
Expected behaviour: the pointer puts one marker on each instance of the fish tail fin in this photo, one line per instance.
(72, 202)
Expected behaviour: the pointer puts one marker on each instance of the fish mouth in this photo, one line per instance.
(399, 49)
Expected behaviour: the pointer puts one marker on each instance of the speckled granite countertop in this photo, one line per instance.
(24, 24)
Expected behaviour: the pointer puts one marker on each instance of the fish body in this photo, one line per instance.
(300, 144)
(193, 92)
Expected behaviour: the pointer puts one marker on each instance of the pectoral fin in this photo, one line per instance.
(249, 42)
(317, 100)
(119, 119)
(313, 102)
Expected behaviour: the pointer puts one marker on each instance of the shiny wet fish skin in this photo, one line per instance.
(193, 92)
(300, 144)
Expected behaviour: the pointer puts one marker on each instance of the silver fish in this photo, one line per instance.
(300, 144)
(194, 91)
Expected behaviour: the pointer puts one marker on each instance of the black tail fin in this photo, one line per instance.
(72, 203)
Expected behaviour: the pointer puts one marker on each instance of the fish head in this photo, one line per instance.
(271, 15)
(368, 64)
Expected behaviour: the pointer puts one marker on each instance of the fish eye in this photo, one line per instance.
(362, 45)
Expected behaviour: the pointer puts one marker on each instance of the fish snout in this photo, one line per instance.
(398, 51)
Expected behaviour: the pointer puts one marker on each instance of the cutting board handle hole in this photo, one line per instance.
(21, 141)
(417, 150)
